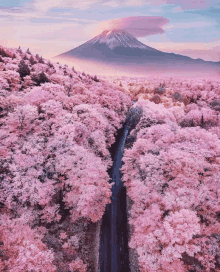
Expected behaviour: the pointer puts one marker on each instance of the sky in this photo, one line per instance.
(51, 27)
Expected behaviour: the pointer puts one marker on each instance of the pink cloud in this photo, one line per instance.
(191, 4)
(139, 26)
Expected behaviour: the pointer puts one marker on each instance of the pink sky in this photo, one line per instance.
(49, 28)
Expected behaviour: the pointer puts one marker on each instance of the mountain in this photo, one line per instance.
(118, 48)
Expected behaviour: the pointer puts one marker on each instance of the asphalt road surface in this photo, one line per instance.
(113, 253)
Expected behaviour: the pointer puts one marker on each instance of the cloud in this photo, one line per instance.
(139, 26)
(184, 4)
(143, 2)
(45, 5)
(191, 4)
(113, 4)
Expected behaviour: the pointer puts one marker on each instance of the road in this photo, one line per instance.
(113, 254)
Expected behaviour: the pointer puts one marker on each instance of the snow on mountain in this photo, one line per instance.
(118, 38)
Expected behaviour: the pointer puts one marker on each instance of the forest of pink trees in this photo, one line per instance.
(171, 172)
(56, 127)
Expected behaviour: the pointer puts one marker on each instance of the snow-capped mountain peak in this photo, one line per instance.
(118, 38)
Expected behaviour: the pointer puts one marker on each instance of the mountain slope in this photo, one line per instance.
(119, 48)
